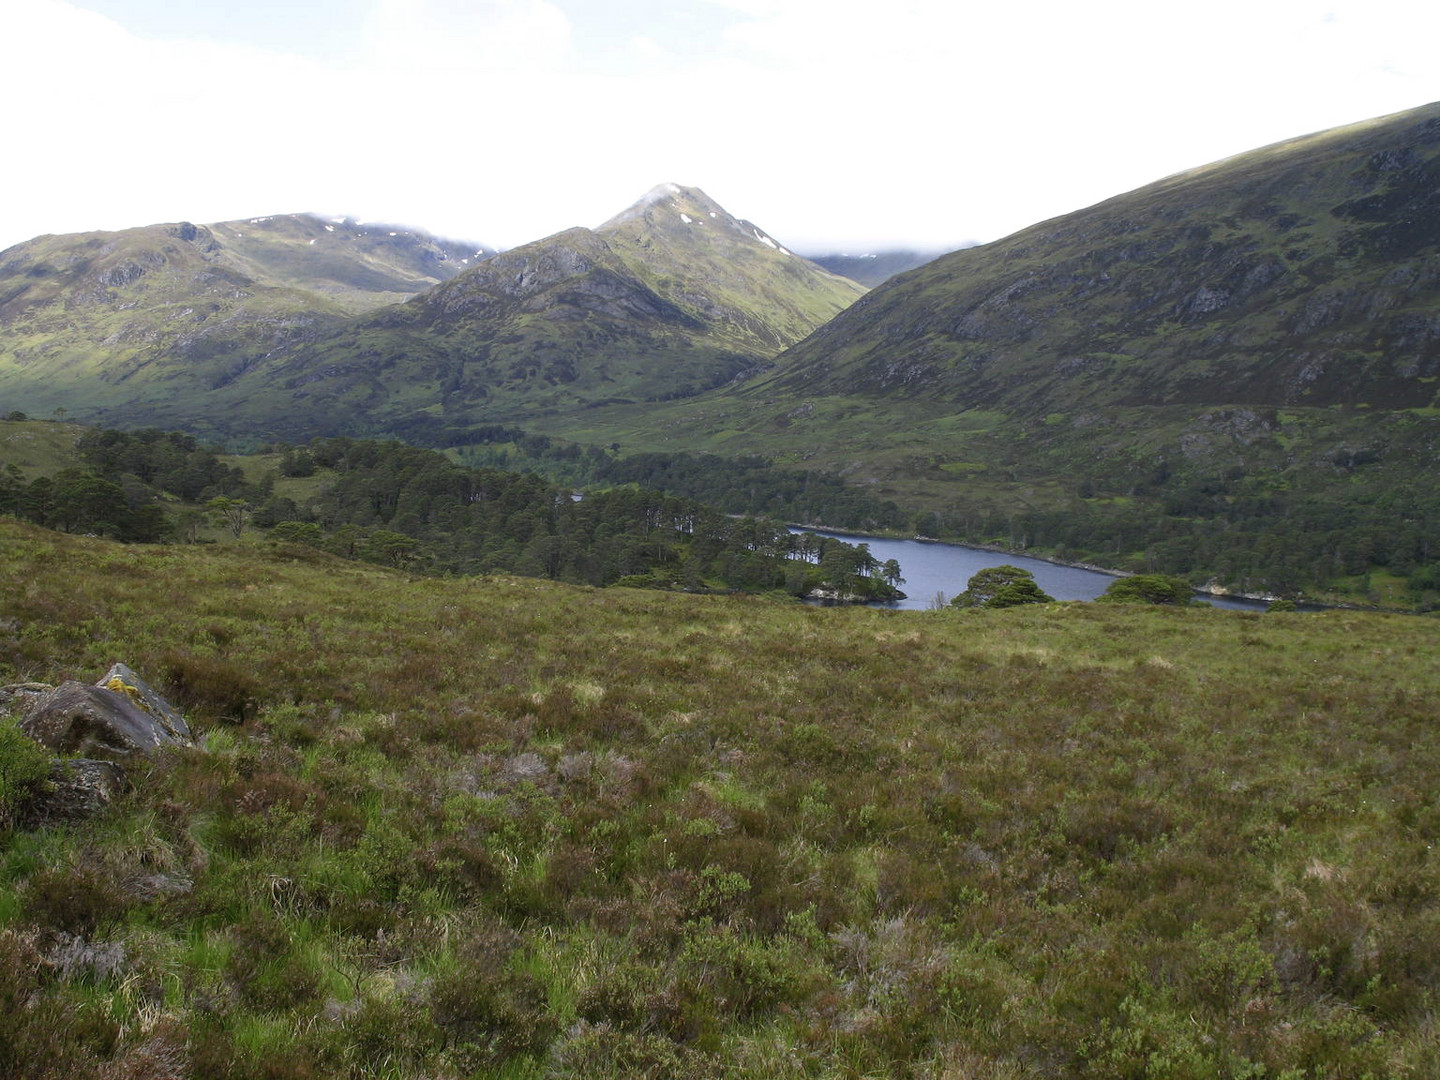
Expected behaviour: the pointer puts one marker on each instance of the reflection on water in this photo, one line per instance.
(931, 568)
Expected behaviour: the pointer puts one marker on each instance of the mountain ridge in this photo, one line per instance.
(96, 320)
(1232, 372)
(671, 297)
(652, 305)
(1156, 277)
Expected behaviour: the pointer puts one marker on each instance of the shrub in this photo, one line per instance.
(1002, 587)
(46, 1035)
(24, 770)
(265, 967)
(212, 685)
(79, 901)
(489, 1016)
(638, 999)
(389, 1036)
(1149, 589)
(600, 1052)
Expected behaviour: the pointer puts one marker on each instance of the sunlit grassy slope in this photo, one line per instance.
(37, 447)
(153, 317)
(501, 827)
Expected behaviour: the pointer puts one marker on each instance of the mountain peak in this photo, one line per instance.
(662, 198)
(691, 216)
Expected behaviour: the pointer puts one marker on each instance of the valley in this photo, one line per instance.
(515, 755)
(1229, 374)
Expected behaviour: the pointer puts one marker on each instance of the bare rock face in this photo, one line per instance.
(18, 697)
(124, 681)
(79, 788)
(116, 719)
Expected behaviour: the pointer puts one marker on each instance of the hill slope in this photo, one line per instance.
(668, 299)
(671, 297)
(96, 320)
(1233, 371)
(503, 827)
(1303, 273)
(360, 265)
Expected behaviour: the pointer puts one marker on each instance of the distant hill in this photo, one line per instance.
(357, 264)
(97, 320)
(671, 297)
(875, 268)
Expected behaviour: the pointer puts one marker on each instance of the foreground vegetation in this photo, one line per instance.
(505, 827)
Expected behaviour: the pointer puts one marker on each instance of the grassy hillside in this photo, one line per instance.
(292, 327)
(500, 827)
(146, 317)
(1230, 373)
(39, 448)
(1300, 274)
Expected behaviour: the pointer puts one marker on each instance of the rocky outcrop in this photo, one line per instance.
(118, 717)
(95, 727)
(78, 788)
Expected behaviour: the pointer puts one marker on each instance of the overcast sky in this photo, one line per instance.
(836, 125)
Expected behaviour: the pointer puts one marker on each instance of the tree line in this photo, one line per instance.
(409, 506)
(121, 489)
(405, 506)
(1280, 542)
(749, 484)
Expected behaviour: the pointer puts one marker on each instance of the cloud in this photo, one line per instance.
(828, 122)
(478, 37)
(647, 47)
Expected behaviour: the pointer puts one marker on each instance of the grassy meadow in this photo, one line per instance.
(502, 827)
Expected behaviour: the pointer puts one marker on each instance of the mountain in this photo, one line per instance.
(96, 320)
(671, 297)
(747, 289)
(359, 265)
(874, 268)
(1300, 274)
(1233, 370)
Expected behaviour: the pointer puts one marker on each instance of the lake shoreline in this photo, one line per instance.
(995, 549)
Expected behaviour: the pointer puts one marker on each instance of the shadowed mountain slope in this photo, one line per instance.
(1302, 273)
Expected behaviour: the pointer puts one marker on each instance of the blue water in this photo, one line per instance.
(931, 567)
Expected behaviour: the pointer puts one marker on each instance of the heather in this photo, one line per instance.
(505, 827)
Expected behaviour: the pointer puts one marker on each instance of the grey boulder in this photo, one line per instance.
(118, 718)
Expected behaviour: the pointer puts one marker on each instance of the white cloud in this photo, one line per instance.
(827, 122)
(647, 47)
(474, 36)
